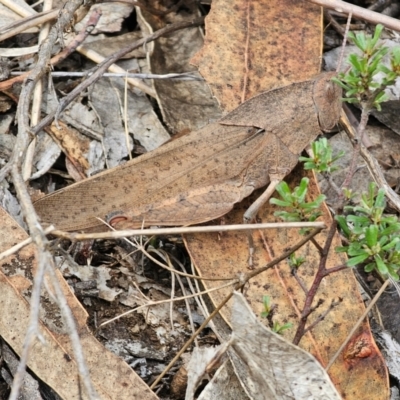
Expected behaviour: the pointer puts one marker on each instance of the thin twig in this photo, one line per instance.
(185, 230)
(16, 248)
(239, 285)
(185, 76)
(346, 32)
(359, 12)
(321, 273)
(30, 22)
(323, 315)
(357, 324)
(101, 68)
(372, 164)
(72, 331)
(155, 303)
(36, 100)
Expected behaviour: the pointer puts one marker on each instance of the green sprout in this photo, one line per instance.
(267, 313)
(322, 159)
(358, 83)
(277, 328)
(373, 237)
(296, 262)
(268, 308)
(299, 208)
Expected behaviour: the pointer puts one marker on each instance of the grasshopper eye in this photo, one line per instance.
(327, 99)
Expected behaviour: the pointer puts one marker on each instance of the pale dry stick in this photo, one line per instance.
(98, 59)
(185, 230)
(14, 249)
(359, 12)
(36, 101)
(22, 11)
(27, 23)
(72, 331)
(185, 76)
(346, 32)
(243, 280)
(126, 116)
(18, 52)
(70, 48)
(155, 303)
(372, 164)
(38, 3)
(36, 232)
(33, 325)
(44, 262)
(357, 324)
(101, 68)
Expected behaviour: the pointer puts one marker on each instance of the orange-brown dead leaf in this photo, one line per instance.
(227, 257)
(236, 68)
(252, 46)
(112, 378)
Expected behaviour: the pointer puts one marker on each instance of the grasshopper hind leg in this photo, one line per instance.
(252, 211)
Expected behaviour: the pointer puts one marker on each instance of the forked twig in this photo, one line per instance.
(243, 280)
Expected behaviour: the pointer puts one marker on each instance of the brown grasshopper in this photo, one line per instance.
(201, 175)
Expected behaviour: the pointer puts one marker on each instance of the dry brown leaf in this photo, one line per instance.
(112, 377)
(74, 145)
(253, 46)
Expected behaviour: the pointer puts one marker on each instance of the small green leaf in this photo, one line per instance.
(351, 262)
(278, 202)
(371, 234)
(381, 266)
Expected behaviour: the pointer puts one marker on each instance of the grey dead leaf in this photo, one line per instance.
(197, 367)
(112, 16)
(99, 274)
(106, 46)
(46, 154)
(184, 104)
(11, 204)
(385, 147)
(278, 369)
(224, 386)
(30, 387)
(391, 350)
(143, 123)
